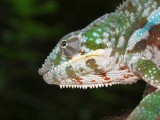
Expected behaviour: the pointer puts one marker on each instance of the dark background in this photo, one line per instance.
(29, 30)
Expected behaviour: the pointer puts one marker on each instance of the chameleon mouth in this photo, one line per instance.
(112, 78)
(68, 74)
(92, 81)
(88, 86)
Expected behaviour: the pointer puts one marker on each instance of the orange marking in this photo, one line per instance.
(78, 80)
(122, 68)
(126, 76)
(106, 78)
(103, 75)
(121, 79)
(93, 81)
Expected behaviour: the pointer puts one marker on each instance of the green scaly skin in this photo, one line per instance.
(118, 48)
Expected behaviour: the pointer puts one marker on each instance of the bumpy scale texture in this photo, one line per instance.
(117, 48)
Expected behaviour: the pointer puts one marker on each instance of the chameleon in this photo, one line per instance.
(122, 47)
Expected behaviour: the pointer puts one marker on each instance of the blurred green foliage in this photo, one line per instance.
(29, 30)
(22, 20)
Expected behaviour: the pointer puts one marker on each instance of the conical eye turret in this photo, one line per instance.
(71, 46)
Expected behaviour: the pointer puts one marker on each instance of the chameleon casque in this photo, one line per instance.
(117, 48)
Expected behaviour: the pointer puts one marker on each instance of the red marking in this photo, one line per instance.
(93, 80)
(103, 75)
(78, 80)
(154, 35)
(121, 79)
(126, 76)
(158, 47)
(106, 78)
(122, 68)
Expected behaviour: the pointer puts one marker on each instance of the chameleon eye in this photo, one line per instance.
(70, 47)
(64, 43)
